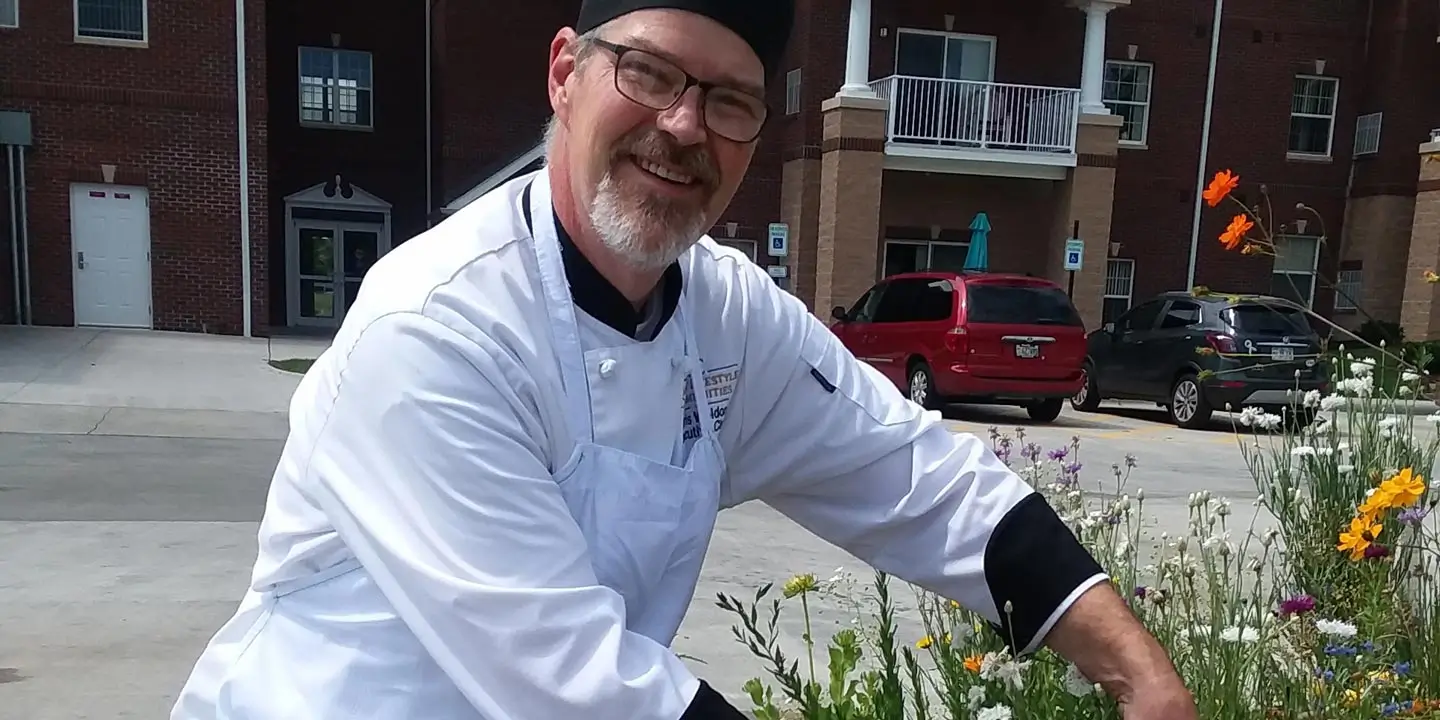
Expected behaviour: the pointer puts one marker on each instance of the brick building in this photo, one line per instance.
(897, 123)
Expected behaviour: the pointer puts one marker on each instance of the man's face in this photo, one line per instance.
(652, 181)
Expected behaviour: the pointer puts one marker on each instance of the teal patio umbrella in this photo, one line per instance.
(978, 258)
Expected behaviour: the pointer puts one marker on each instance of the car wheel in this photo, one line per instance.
(922, 387)
(1045, 410)
(1188, 407)
(1088, 399)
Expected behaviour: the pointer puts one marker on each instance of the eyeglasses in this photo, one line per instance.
(650, 80)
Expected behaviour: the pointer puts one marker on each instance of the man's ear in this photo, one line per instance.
(563, 64)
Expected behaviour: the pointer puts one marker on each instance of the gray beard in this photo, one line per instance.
(645, 233)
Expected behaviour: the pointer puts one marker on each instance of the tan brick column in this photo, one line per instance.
(1421, 299)
(800, 209)
(852, 164)
(1087, 194)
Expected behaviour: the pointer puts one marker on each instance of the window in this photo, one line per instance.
(864, 309)
(948, 56)
(1127, 94)
(1267, 319)
(1119, 288)
(792, 92)
(900, 301)
(745, 246)
(1141, 318)
(1182, 313)
(903, 256)
(994, 303)
(1312, 115)
(336, 88)
(1367, 134)
(936, 301)
(10, 13)
(1293, 277)
(1348, 286)
(110, 19)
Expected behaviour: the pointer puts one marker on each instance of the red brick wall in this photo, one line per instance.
(1020, 212)
(165, 116)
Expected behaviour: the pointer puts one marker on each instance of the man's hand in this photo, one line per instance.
(1109, 646)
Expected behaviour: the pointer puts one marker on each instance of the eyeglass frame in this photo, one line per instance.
(705, 86)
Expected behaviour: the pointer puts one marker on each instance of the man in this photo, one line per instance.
(502, 478)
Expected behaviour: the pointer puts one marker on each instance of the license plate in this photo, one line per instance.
(1282, 354)
(1026, 350)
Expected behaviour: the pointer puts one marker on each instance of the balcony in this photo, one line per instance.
(979, 128)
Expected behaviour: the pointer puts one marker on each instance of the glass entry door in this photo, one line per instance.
(333, 259)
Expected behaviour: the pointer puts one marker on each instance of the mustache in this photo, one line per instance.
(661, 147)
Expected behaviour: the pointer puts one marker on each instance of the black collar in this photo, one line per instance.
(595, 295)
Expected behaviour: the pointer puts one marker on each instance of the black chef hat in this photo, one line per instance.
(764, 24)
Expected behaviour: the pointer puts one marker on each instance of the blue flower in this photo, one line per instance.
(1340, 651)
(1402, 668)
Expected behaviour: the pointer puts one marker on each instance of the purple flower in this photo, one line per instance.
(1141, 591)
(1375, 551)
(1412, 516)
(1059, 453)
(1298, 605)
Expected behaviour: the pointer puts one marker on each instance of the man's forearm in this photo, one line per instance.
(1110, 646)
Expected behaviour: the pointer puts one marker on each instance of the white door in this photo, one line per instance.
(110, 238)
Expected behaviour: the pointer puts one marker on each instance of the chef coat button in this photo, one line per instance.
(607, 367)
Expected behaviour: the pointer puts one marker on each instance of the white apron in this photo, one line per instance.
(330, 646)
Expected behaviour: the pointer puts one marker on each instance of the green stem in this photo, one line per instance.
(809, 640)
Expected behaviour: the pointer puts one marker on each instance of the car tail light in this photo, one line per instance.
(1221, 343)
(956, 341)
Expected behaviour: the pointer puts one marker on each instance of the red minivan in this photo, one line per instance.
(984, 338)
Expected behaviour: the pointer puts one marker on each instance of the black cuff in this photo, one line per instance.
(711, 705)
(1034, 561)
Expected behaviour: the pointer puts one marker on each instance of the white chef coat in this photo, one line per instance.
(492, 506)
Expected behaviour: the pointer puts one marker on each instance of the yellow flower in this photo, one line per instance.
(954, 605)
(1362, 532)
(1404, 489)
(973, 663)
(800, 584)
(1380, 500)
(1351, 697)
(924, 642)
(1431, 277)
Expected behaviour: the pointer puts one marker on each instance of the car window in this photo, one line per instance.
(1000, 304)
(936, 301)
(900, 302)
(1141, 318)
(1270, 320)
(864, 308)
(1182, 313)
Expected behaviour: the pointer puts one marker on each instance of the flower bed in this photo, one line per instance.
(1326, 609)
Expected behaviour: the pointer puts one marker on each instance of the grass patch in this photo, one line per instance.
(298, 366)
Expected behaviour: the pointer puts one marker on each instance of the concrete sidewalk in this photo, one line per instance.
(122, 382)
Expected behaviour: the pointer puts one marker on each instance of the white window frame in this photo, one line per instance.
(1351, 282)
(331, 88)
(1143, 104)
(1113, 280)
(1367, 133)
(991, 40)
(1313, 272)
(13, 20)
(751, 248)
(80, 37)
(929, 246)
(1334, 83)
(792, 91)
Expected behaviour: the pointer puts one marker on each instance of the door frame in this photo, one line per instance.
(360, 211)
(144, 195)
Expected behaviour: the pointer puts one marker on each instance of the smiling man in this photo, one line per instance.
(502, 479)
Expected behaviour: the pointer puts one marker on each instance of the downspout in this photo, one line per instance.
(1350, 181)
(14, 186)
(25, 239)
(242, 126)
(1204, 144)
(429, 121)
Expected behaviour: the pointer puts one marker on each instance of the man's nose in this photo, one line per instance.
(685, 120)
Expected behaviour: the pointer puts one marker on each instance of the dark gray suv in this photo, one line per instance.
(1194, 354)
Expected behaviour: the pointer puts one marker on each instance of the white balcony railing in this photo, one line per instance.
(967, 114)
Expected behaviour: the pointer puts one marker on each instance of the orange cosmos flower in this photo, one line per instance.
(1220, 187)
(1234, 235)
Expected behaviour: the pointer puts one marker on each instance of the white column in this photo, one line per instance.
(1092, 68)
(857, 52)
